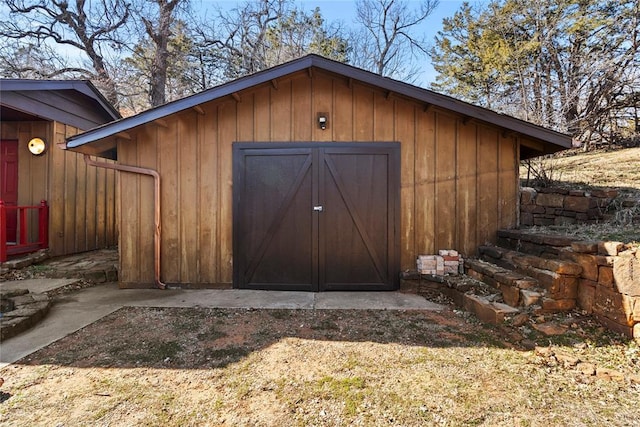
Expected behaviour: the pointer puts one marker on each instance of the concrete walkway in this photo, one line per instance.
(78, 309)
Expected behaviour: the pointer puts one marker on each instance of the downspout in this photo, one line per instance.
(156, 194)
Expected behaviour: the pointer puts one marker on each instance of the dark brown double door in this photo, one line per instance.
(316, 217)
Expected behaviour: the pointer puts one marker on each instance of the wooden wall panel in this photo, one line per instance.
(322, 94)
(56, 194)
(488, 199)
(90, 211)
(169, 165)
(466, 186)
(383, 113)
(508, 178)
(246, 111)
(146, 156)
(457, 177)
(80, 203)
(281, 114)
(445, 196)
(341, 124)
(226, 135)
(303, 118)
(363, 113)
(131, 249)
(405, 133)
(70, 197)
(111, 203)
(425, 183)
(261, 113)
(209, 253)
(188, 210)
(101, 209)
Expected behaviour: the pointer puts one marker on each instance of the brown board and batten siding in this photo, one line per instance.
(82, 214)
(458, 176)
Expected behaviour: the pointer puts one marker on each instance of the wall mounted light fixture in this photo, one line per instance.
(37, 146)
(322, 120)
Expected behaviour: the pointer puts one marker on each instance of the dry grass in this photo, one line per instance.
(617, 169)
(327, 368)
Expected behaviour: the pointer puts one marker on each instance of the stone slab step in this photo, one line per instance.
(26, 309)
(558, 277)
(486, 310)
(509, 283)
(515, 259)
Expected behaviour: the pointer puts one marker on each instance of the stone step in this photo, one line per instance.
(559, 278)
(486, 310)
(21, 310)
(516, 289)
(541, 245)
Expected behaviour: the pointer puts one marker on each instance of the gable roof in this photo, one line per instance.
(73, 102)
(552, 140)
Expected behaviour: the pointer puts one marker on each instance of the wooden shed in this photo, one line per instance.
(312, 175)
(35, 117)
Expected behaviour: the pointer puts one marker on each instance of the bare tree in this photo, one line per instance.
(245, 31)
(158, 28)
(387, 41)
(19, 60)
(265, 33)
(90, 29)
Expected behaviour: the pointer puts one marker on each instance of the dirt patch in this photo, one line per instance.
(176, 366)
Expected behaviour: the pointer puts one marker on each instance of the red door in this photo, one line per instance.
(9, 184)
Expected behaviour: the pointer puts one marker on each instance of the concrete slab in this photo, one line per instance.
(76, 310)
(36, 285)
(223, 298)
(373, 301)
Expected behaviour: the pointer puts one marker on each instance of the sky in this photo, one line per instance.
(345, 12)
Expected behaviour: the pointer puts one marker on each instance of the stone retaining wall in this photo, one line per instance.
(609, 284)
(558, 206)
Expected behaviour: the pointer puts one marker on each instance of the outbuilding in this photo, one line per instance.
(49, 198)
(312, 175)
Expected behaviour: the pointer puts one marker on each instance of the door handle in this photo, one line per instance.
(317, 208)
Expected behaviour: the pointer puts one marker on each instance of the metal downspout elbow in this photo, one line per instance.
(156, 198)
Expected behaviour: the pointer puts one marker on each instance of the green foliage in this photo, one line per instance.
(566, 64)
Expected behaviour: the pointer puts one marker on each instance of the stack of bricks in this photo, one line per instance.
(446, 262)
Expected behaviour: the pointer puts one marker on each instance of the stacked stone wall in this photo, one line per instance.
(559, 206)
(608, 285)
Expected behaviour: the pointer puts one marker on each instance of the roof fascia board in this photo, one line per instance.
(165, 110)
(31, 106)
(83, 87)
(446, 102)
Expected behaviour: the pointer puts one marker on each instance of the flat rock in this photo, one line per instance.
(550, 328)
(36, 285)
(520, 319)
(585, 247)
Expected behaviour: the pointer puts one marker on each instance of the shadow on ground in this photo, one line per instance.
(201, 338)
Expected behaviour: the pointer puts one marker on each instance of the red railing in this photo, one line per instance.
(23, 242)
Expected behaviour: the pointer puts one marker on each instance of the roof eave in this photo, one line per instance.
(309, 61)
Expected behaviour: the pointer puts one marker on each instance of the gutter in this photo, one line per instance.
(156, 191)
